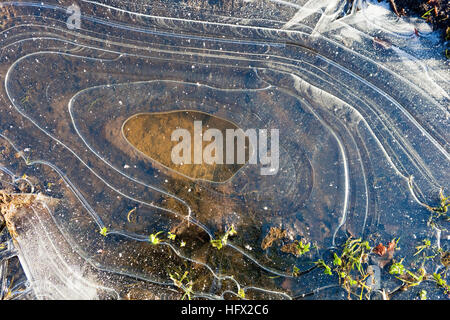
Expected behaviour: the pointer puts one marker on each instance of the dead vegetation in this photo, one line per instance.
(435, 12)
(274, 234)
(10, 203)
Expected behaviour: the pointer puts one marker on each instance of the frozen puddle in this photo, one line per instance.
(89, 102)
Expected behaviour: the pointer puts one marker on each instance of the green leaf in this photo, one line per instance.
(322, 264)
(153, 238)
(337, 261)
(217, 244)
(171, 236)
(397, 268)
(104, 231)
(423, 295)
(437, 277)
(302, 248)
(352, 282)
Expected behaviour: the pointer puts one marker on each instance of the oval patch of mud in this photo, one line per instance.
(157, 134)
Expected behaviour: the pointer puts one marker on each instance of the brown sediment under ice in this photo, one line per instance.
(151, 133)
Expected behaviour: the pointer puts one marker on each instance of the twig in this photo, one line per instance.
(394, 7)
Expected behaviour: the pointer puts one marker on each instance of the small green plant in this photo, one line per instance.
(182, 282)
(427, 14)
(177, 279)
(441, 283)
(302, 248)
(153, 238)
(427, 251)
(351, 265)
(104, 231)
(444, 203)
(326, 268)
(222, 241)
(295, 271)
(439, 212)
(397, 268)
(25, 99)
(218, 244)
(423, 295)
(241, 293)
(426, 245)
(414, 279)
(171, 236)
(408, 278)
(337, 261)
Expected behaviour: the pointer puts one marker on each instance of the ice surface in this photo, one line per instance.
(360, 99)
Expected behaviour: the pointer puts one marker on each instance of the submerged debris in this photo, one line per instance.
(297, 248)
(11, 203)
(386, 254)
(274, 234)
(445, 259)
